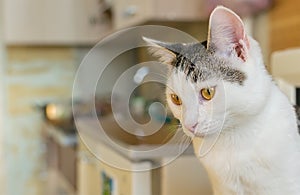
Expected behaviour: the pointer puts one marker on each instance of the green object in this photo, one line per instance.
(107, 184)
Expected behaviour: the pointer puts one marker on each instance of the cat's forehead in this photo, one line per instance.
(201, 64)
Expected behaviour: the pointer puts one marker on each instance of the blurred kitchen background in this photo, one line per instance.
(42, 43)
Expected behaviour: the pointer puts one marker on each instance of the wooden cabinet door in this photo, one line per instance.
(131, 12)
(284, 25)
(23, 20)
(134, 12)
(54, 22)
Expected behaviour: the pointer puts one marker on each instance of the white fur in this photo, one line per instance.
(258, 147)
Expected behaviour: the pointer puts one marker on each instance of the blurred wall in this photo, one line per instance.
(262, 36)
(33, 75)
(2, 109)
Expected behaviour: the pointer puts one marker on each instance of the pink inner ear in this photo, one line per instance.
(227, 32)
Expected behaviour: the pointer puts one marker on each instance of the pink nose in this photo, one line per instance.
(191, 128)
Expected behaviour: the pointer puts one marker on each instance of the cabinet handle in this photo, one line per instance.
(130, 11)
(93, 20)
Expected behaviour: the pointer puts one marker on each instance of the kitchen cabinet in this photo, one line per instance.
(109, 172)
(98, 177)
(61, 153)
(193, 177)
(134, 12)
(37, 22)
(88, 180)
(71, 22)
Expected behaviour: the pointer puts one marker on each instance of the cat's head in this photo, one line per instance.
(216, 84)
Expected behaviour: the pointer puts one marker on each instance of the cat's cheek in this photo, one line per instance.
(177, 114)
(176, 111)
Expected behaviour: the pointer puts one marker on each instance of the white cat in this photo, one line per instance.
(220, 90)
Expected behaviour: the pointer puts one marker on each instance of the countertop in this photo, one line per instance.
(164, 143)
(292, 79)
(58, 134)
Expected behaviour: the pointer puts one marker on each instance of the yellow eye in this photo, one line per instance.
(175, 99)
(208, 93)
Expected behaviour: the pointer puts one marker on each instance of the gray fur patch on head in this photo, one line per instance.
(201, 64)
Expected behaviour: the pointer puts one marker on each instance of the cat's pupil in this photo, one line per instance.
(208, 91)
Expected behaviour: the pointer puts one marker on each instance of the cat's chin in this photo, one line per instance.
(206, 134)
(201, 134)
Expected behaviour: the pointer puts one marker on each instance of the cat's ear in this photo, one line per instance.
(162, 50)
(227, 33)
